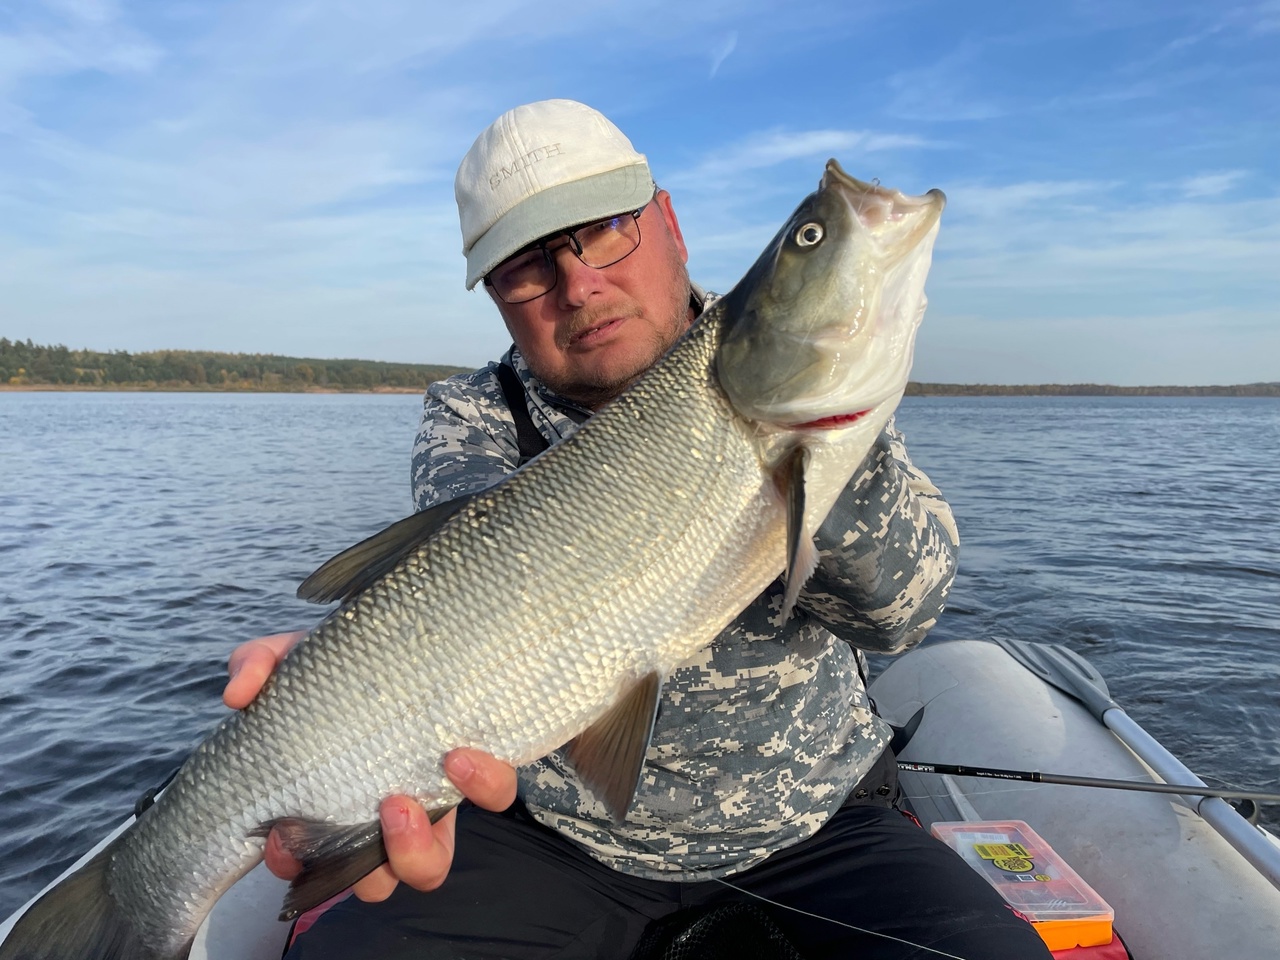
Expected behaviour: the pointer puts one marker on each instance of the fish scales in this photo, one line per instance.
(619, 553)
(570, 643)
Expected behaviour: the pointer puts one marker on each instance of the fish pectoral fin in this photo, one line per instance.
(608, 755)
(333, 857)
(356, 568)
(802, 552)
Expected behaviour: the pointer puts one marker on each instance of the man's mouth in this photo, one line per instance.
(587, 335)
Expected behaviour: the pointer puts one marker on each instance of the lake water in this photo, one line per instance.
(143, 535)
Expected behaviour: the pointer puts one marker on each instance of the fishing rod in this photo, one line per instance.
(1073, 675)
(1035, 776)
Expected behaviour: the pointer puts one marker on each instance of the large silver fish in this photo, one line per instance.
(548, 608)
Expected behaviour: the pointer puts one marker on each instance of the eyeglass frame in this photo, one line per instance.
(574, 244)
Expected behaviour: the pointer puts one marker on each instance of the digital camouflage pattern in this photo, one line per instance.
(762, 735)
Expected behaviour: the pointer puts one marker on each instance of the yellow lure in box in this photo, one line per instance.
(1034, 880)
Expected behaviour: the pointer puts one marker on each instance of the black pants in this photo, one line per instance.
(520, 890)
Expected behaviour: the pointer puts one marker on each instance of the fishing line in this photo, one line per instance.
(815, 916)
(841, 923)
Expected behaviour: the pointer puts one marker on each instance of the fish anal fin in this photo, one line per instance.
(802, 552)
(358, 567)
(608, 755)
(333, 857)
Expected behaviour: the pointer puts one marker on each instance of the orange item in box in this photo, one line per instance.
(1034, 880)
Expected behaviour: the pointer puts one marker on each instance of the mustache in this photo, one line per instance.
(586, 319)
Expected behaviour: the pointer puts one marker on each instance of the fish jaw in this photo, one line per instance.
(826, 319)
(835, 450)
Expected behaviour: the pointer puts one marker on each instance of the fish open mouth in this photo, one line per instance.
(832, 423)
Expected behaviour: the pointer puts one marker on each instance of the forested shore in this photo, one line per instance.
(27, 365)
(30, 365)
(1087, 390)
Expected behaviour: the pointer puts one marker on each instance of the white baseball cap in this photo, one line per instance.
(538, 169)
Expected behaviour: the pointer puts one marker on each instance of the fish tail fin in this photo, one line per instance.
(79, 919)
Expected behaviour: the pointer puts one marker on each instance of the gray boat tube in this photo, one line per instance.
(1075, 676)
(1180, 888)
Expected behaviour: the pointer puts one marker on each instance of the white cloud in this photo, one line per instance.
(66, 38)
(1211, 184)
(1252, 19)
(1083, 281)
(412, 311)
(722, 51)
(727, 167)
(1096, 233)
(944, 90)
(278, 175)
(1175, 347)
(1006, 200)
(86, 11)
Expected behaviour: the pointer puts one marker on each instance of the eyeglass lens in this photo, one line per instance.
(603, 243)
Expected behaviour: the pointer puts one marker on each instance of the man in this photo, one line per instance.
(767, 770)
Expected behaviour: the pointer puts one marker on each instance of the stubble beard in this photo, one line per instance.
(594, 391)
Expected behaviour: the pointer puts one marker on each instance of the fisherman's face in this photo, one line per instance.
(598, 329)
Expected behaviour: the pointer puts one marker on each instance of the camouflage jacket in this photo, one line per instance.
(761, 736)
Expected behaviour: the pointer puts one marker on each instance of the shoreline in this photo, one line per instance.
(189, 388)
(1255, 390)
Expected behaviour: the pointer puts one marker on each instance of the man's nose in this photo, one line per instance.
(577, 281)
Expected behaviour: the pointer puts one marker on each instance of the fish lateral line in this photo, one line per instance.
(198, 838)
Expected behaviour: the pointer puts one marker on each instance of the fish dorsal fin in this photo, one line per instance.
(356, 568)
(609, 753)
(802, 552)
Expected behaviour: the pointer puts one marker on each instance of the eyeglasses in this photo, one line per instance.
(532, 272)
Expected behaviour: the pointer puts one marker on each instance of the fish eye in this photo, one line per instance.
(809, 235)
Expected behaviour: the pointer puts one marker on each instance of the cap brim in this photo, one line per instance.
(558, 208)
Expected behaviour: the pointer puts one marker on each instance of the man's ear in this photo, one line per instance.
(663, 199)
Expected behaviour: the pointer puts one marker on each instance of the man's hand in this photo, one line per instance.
(251, 663)
(418, 852)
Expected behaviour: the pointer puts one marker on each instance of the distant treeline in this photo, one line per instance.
(23, 363)
(1086, 390)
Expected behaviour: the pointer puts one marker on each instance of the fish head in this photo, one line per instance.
(821, 330)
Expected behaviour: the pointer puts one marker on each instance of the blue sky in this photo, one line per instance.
(278, 176)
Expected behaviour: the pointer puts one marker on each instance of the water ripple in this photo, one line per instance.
(1141, 532)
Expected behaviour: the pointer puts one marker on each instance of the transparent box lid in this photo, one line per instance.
(1025, 870)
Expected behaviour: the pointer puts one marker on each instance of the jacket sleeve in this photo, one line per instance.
(466, 440)
(887, 554)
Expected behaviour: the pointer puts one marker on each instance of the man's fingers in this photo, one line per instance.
(484, 780)
(251, 663)
(248, 674)
(278, 860)
(376, 886)
(418, 853)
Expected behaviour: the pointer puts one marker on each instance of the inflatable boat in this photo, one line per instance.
(1186, 876)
